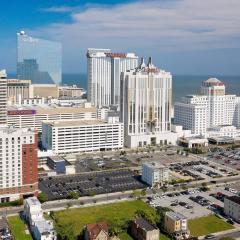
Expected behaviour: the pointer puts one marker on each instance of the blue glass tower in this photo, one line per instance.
(39, 60)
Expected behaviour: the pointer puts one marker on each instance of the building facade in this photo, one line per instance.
(18, 163)
(141, 229)
(146, 101)
(3, 97)
(104, 69)
(81, 136)
(71, 91)
(232, 207)
(176, 225)
(212, 108)
(154, 174)
(38, 60)
(17, 90)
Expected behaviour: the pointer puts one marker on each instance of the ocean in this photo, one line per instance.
(182, 84)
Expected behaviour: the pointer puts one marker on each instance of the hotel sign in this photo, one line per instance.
(21, 112)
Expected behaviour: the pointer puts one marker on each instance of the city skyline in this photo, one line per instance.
(184, 37)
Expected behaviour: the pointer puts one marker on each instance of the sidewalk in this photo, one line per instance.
(222, 233)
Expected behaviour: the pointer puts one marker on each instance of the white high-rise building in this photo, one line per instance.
(104, 69)
(146, 101)
(212, 108)
(3, 97)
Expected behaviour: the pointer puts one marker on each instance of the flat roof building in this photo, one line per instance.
(81, 135)
(154, 173)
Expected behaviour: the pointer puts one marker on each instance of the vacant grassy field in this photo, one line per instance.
(125, 236)
(112, 213)
(163, 237)
(18, 228)
(206, 225)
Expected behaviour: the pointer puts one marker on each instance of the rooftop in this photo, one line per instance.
(33, 201)
(144, 224)
(44, 226)
(48, 109)
(154, 164)
(56, 158)
(175, 216)
(95, 228)
(212, 82)
(72, 123)
(235, 199)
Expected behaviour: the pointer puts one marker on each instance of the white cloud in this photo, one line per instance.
(58, 9)
(149, 26)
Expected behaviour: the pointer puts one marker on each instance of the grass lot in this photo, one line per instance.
(206, 225)
(125, 236)
(112, 213)
(163, 237)
(18, 228)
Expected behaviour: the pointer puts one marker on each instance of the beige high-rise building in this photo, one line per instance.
(17, 90)
(146, 102)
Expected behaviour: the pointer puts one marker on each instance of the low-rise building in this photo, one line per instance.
(193, 142)
(232, 207)
(81, 136)
(176, 225)
(57, 163)
(71, 91)
(141, 229)
(97, 231)
(41, 228)
(154, 173)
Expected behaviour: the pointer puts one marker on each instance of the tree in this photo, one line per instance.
(150, 216)
(66, 232)
(73, 195)
(42, 197)
(143, 192)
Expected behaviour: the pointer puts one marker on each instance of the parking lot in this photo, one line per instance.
(197, 170)
(98, 163)
(90, 184)
(192, 203)
(5, 233)
(230, 158)
(133, 159)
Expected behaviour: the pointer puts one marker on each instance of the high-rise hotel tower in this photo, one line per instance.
(146, 101)
(18, 155)
(104, 69)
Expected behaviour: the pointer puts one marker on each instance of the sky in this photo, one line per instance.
(183, 36)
